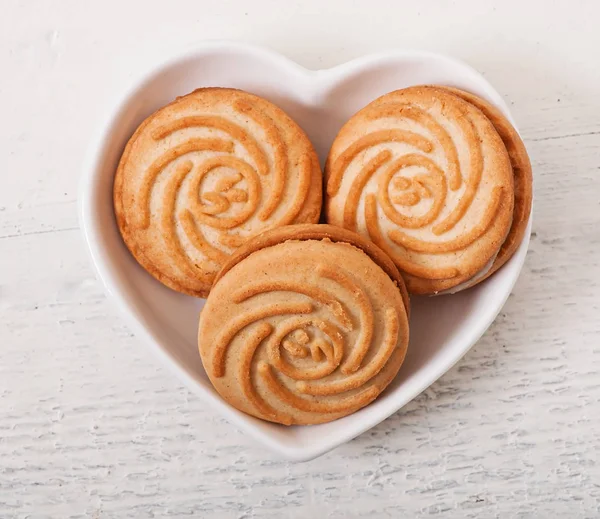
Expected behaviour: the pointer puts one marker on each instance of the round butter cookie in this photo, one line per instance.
(205, 173)
(425, 175)
(523, 176)
(304, 324)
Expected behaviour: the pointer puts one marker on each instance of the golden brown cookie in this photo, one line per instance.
(425, 175)
(205, 173)
(523, 177)
(304, 324)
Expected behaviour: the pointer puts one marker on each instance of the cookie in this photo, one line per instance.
(304, 324)
(204, 174)
(523, 176)
(425, 175)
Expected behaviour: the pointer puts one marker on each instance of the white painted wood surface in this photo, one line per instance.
(92, 426)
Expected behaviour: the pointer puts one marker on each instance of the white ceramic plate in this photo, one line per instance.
(320, 101)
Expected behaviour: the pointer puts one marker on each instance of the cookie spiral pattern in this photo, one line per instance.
(308, 346)
(203, 175)
(424, 175)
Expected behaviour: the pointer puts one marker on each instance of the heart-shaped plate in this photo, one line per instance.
(442, 328)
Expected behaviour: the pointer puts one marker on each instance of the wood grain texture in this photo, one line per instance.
(92, 426)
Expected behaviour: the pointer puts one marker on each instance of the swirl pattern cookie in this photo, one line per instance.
(205, 173)
(425, 175)
(305, 324)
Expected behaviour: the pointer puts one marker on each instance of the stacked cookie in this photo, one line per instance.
(305, 324)
(438, 178)
(219, 193)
